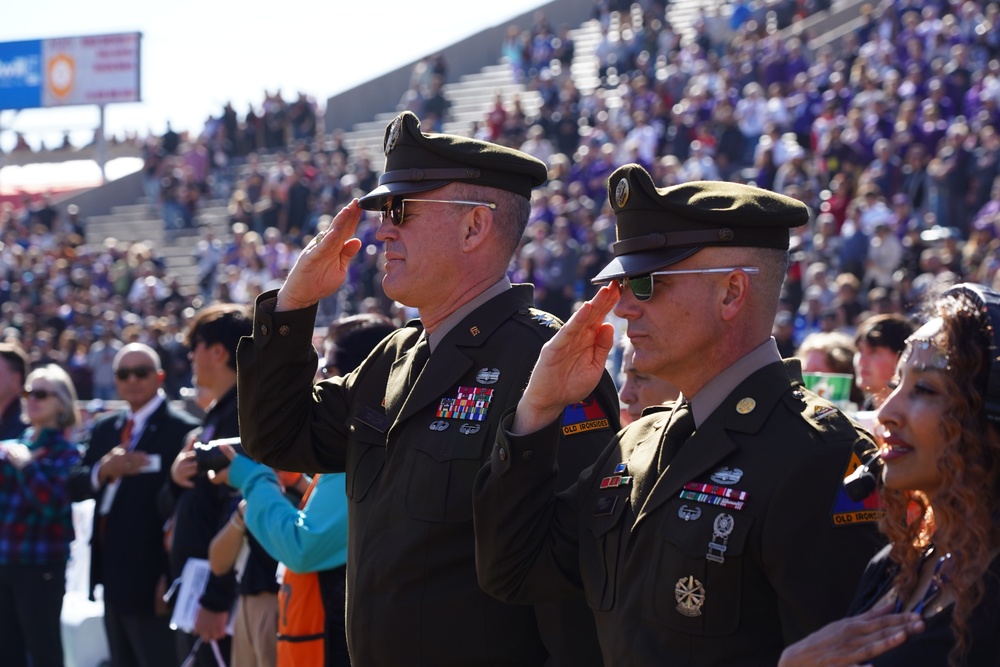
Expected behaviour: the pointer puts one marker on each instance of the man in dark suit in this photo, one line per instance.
(128, 456)
(414, 423)
(713, 531)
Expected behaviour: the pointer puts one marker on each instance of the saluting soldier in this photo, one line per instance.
(713, 531)
(416, 421)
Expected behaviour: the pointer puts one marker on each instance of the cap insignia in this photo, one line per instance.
(621, 193)
(726, 234)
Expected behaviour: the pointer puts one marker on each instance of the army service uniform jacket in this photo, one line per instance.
(411, 458)
(743, 544)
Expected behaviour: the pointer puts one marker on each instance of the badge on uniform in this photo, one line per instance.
(847, 512)
(689, 513)
(605, 505)
(690, 596)
(472, 404)
(726, 475)
(615, 481)
(584, 416)
(722, 528)
(488, 375)
(372, 417)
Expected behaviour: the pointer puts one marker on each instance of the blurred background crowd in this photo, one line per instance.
(891, 138)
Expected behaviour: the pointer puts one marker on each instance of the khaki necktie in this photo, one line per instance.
(678, 431)
(419, 356)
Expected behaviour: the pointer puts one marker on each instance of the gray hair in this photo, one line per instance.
(64, 389)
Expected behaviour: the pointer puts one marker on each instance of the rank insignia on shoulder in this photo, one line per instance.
(471, 404)
(584, 416)
(545, 319)
(847, 512)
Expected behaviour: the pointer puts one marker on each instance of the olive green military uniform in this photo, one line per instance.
(411, 454)
(712, 549)
(742, 545)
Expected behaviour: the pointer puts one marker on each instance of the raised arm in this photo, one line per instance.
(570, 364)
(321, 267)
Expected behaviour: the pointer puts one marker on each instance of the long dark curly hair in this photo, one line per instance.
(964, 518)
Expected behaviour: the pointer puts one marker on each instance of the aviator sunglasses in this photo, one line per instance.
(642, 285)
(140, 372)
(397, 212)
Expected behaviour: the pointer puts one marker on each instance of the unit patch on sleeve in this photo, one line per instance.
(471, 404)
(847, 512)
(584, 416)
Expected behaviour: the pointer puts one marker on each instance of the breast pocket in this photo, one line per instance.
(365, 460)
(698, 579)
(600, 546)
(444, 465)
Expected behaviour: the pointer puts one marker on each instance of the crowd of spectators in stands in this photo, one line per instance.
(890, 136)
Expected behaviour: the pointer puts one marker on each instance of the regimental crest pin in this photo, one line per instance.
(621, 193)
(393, 135)
(488, 376)
(726, 475)
(690, 596)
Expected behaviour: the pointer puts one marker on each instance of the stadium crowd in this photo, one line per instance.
(891, 139)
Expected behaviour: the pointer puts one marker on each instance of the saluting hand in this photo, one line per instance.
(321, 267)
(570, 364)
(853, 641)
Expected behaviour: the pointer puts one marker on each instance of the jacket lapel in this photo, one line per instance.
(449, 362)
(712, 442)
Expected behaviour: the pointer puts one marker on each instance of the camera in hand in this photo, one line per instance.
(209, 456)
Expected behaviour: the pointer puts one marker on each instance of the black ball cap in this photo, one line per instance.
(657, 227)
(418, 162)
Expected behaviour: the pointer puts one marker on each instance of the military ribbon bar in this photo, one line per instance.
(712, 500)
(712, 489)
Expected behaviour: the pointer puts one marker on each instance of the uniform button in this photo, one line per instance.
(263, 329)
(502, 454)
(526, 456)
(284, 330)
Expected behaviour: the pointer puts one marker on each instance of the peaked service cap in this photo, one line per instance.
(657, 227)
(418, 162)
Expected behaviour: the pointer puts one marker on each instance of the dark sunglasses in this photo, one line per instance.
(642, 285)
(396, 212)
(140, 372)
(37, 394)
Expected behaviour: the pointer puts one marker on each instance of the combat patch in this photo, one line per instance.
(847, 512)
(584, 416)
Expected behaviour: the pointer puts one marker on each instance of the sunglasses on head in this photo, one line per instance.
(396, 212)
(642, 285)
(37, 394)
(140, 372)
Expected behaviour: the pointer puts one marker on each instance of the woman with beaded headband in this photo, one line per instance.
(932, 596)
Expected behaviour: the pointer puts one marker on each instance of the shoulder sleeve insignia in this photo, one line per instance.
(587, 415)
(847, 512)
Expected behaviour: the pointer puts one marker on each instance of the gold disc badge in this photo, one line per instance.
(621, 193)
(746, 406)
